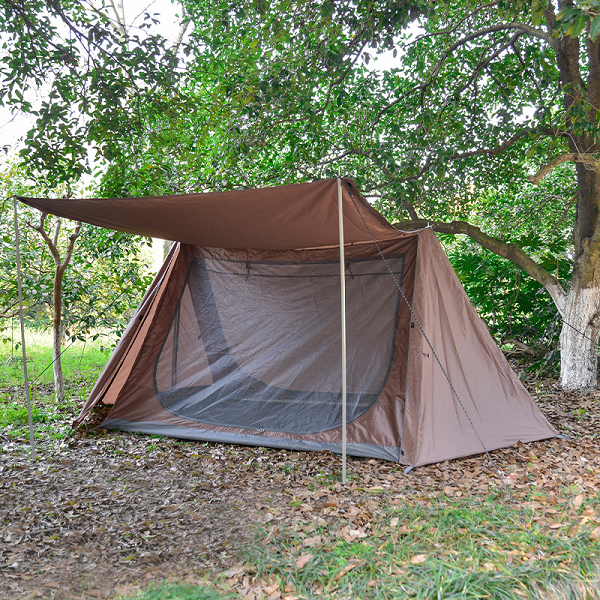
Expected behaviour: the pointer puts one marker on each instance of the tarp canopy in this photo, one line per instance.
(303, 215)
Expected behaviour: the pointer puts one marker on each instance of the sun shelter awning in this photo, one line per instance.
(303, 215)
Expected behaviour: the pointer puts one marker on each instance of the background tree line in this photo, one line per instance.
(483, 123)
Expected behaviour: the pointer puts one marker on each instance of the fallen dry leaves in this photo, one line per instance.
(110, 512)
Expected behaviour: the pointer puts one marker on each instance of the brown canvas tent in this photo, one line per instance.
(238, 339)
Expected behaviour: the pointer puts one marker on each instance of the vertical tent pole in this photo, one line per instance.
(343, 312)
(19, 286)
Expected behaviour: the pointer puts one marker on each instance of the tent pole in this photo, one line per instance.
(20, 289)
(343, 312)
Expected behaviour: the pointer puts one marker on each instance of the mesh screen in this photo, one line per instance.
(258, 345)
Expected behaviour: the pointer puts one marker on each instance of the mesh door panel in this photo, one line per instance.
(257, 346)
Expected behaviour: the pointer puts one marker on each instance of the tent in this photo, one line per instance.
(239, 338)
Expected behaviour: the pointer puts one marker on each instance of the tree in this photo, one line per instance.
(483, 102)
(94, 74)
(61, 262)
(106, 279)
(539, 82)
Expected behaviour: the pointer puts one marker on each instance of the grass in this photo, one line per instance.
(468, 549)
(82, 363)
(459, 549)
(180, 591)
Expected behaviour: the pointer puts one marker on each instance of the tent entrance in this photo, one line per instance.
(256, 345)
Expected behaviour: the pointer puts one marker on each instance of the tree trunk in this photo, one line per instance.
(581, 313)
(579, 339)
(60, 267)
(57, 335)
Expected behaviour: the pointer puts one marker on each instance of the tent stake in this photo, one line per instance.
(343, 311)
(20, 289)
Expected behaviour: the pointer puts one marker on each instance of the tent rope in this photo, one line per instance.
(587, 337)
(435, 355)
(52, 363)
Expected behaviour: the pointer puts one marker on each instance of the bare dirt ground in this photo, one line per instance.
(108, 512)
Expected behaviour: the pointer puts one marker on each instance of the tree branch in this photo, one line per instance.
(588, 159)
(509, 251)
(69, 253)
(522, 28)
(40, 229)
(115, 23)
(533, 32)
(57, 224)
(410, 209)
(8, 312)
(492, 151)
(457, 25)
(179, 38)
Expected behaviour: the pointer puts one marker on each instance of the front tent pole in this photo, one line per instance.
(20, 290)
(343, 312)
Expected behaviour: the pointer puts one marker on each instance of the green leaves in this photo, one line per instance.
(577, 18)
(327, 10)
(537, 10)
(595, 28)
(89, 74)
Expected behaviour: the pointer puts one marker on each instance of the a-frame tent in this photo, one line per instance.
(238, 339)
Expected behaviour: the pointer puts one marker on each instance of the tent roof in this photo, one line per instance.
(303, 215)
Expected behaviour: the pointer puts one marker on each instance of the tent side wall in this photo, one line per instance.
(494, 410)
(118, 367)
(126, 354)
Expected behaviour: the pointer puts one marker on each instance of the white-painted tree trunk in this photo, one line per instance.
(57, 334)
(579, 353)
(59, 380)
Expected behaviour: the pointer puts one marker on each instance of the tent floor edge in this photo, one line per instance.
(358, 450)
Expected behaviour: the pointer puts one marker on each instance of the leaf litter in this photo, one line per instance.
(107, 513)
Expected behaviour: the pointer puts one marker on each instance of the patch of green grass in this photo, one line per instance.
(82, 363)
(179, 591)
(470, 549)
(13, 414)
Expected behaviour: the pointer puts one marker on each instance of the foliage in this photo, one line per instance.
(513, 305)
(261, 102)
(106, 279)
(93, 73)
(299, 101)
(15, 414)
(109, 277)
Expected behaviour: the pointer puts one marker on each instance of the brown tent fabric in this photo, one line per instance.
(303, 215)
(493, 409)
(238, 338)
